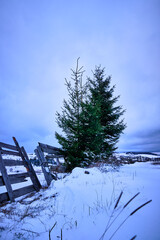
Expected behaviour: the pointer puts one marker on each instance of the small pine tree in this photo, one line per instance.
(108, 113)
(70, 120)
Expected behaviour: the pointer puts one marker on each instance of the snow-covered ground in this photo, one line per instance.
(80, 206)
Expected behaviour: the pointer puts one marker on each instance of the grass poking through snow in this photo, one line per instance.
(109, 224)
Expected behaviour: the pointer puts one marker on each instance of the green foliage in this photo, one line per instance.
(89, 120)
(71, 122)
(109, 115)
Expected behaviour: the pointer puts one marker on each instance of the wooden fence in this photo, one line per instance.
(55, 155)
(8, 180)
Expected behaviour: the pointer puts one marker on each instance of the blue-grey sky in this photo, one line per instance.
(41, 40)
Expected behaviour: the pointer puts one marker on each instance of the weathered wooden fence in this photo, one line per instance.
(54, 155)
(8, 180)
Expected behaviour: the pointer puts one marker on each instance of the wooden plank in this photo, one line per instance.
(1, 181)
(17, 193)
(4, 197)
(52, 156)
(6, 179)
(31, 171)
(42, 145)
(10, 162)
(9, 152)
(15, 178)
(49, 149)
(4, 145)
(28, 166)
(42, 160)
(22, 191)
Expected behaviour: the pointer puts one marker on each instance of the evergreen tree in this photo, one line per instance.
(70, 120)
(89, 120)
(91, 131)
(108, 114)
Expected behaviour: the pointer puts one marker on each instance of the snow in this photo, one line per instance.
(143, 155)
(79, 206)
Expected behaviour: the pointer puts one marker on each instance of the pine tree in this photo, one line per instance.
(89, 120)
(70, 120)
(91, 131)
(108, 114)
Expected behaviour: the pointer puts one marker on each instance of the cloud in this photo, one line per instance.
(39, 44)
(146, 140)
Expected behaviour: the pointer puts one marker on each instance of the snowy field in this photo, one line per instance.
(81, 206)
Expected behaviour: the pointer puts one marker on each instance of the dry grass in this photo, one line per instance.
(109, 224)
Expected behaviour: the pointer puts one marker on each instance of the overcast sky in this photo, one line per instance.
(40, 41)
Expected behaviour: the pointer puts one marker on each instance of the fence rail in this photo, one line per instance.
(15, 178)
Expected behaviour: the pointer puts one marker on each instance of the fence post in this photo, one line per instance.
(42, 160)
(6, 179)
(26, 164)
(31, 171)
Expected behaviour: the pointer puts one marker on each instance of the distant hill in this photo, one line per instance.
(149, 153)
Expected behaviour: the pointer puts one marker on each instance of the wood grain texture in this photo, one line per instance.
(15, 178)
